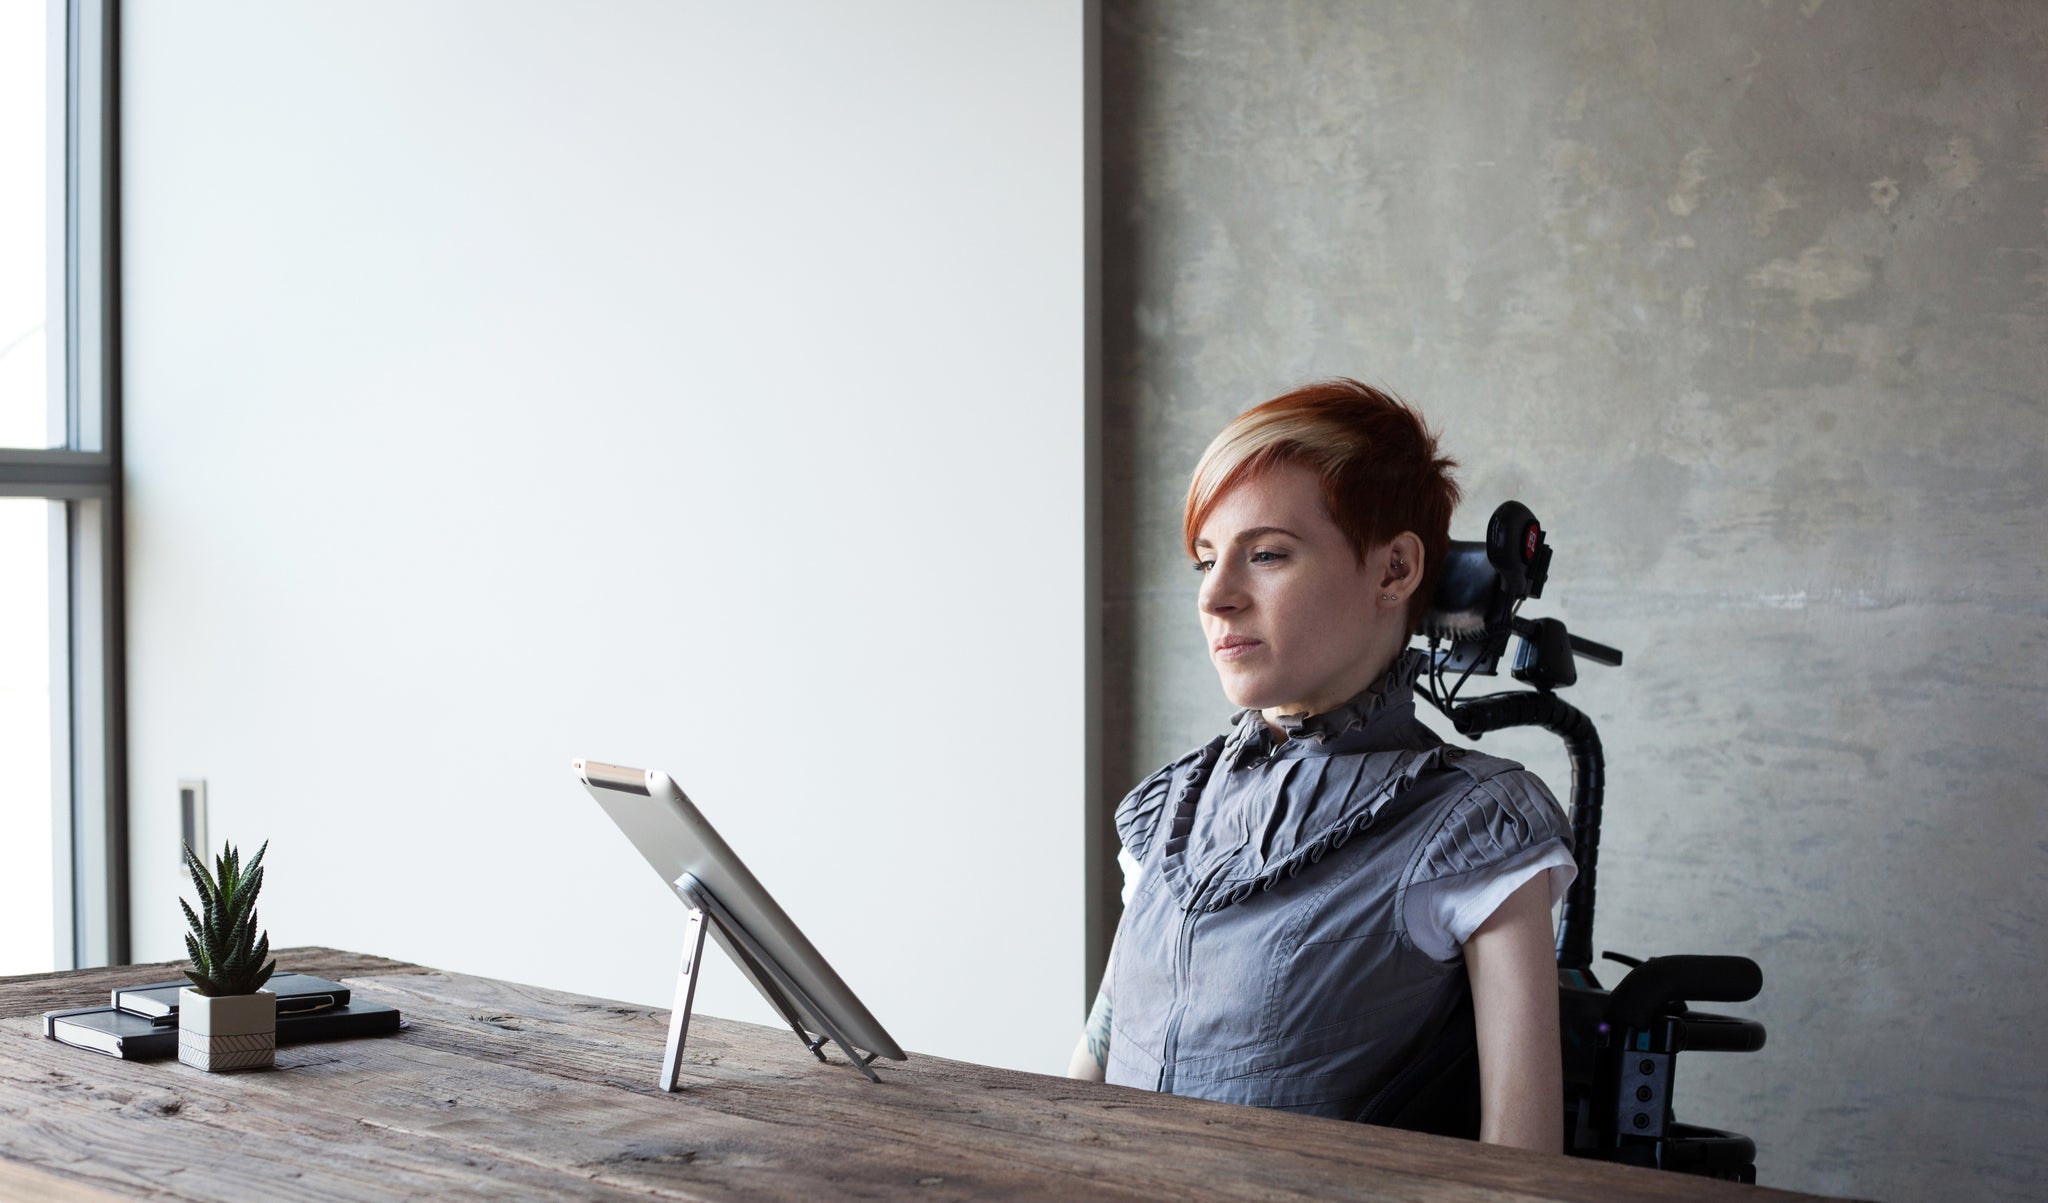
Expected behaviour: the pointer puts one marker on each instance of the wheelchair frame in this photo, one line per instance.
(1620, 1046)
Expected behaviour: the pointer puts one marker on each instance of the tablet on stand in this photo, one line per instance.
(730, 906)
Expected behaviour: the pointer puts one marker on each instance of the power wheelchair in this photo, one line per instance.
(1620, 1046)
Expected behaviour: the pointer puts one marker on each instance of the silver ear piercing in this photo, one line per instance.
(1390, 597)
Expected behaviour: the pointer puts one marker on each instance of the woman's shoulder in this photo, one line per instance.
(1489, 809)
(1137, 816)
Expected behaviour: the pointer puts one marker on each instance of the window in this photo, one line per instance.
(63, 878)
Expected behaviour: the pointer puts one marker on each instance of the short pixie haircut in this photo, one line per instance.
(1379, 464)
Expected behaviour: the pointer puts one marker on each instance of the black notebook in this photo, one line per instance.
(356, 1018)
(113, 1031)
(296, 992)
(133, 1037)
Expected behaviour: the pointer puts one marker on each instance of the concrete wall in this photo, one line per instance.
(512, 383)
(1750, 302)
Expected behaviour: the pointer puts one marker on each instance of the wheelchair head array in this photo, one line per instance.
(1620, 1046)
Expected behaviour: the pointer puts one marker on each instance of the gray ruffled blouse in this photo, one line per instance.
(1264, 957)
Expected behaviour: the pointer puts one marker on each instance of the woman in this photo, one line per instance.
(1309, 897)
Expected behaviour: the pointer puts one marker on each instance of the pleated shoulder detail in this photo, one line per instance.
(1507, 811)
(1140, 814)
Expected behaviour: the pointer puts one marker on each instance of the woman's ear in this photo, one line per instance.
(1401, 571)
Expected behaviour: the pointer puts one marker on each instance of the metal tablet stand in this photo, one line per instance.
(709, 916)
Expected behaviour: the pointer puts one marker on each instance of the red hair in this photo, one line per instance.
(1380, 468)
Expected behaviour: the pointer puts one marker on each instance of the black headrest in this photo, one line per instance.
(1463, 593)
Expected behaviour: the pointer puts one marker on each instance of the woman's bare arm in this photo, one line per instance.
(1091, 1055)
(1513, 966)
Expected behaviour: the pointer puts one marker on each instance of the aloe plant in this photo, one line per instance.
(227, 951)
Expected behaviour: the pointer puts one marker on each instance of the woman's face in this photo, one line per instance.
(1295, 623)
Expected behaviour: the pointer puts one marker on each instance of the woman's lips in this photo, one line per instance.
(1235, 647)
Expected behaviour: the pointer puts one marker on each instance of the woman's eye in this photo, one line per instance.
(1203, 565)
(1267, 557)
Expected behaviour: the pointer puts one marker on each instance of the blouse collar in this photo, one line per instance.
(1394, 689)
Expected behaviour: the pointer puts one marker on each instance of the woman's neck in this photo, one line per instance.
(1347, 688)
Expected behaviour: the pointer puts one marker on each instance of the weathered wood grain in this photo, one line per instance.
(507, 1091)
(18, 1181)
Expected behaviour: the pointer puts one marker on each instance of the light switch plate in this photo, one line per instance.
(192, 818)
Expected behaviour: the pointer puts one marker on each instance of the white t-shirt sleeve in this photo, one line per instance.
(1133, 873)
(1442, 914)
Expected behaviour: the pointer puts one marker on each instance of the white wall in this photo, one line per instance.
(691, 386)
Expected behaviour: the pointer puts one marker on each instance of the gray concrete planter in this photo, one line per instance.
(234, 1031)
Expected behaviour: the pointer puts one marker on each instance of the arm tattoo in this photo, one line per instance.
(1097, 1030)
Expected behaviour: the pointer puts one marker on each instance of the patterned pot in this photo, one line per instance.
(234, 1031)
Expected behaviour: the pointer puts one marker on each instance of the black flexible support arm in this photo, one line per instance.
(1589, 785)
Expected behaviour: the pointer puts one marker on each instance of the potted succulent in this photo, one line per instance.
(226, 1019)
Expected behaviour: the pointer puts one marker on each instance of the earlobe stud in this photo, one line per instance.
(1390, 597)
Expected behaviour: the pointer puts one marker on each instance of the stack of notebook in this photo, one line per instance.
(142, 1023)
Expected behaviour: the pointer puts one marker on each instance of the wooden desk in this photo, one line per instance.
(499, 1091)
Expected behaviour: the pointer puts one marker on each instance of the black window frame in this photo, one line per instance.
(84, 478)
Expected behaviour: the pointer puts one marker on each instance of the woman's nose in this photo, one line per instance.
(1221, 592)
